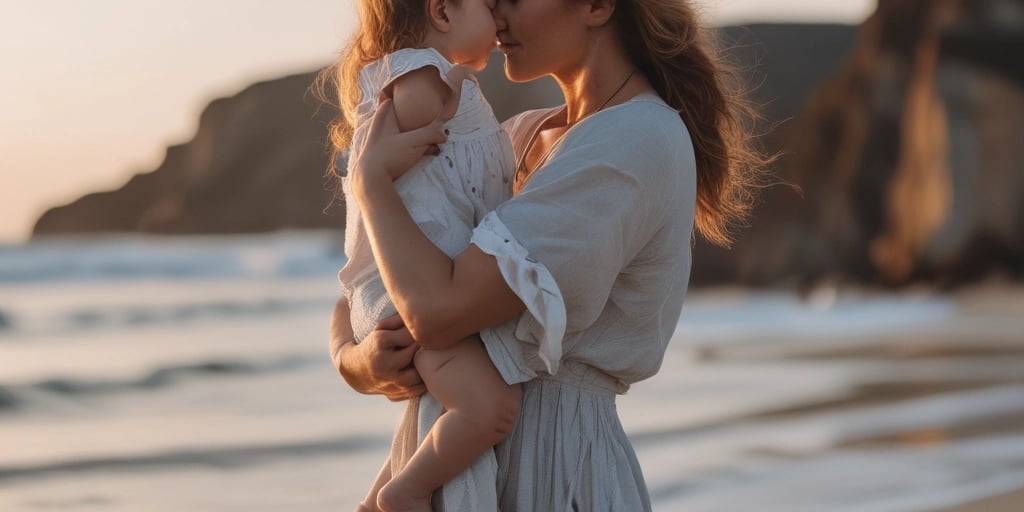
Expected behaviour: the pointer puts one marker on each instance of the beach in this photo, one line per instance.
(192, 374)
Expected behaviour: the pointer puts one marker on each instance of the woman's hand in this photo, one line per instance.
(388, 152)
(382, 363)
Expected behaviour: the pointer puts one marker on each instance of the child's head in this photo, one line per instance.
(461, 30)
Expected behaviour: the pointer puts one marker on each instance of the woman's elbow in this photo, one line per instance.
(431, 327)
(430, 334)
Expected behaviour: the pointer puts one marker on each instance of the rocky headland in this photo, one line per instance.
(901, 146)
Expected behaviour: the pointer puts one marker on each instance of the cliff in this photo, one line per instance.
(910, 159)
(903, 135)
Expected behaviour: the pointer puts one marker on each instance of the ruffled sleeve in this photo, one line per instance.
(543, 324)
(378, 75)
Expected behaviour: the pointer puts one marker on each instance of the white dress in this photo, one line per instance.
(603, 229)
(447, 195)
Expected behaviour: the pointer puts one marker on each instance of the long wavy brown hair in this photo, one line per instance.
(385, 26)
(667, 43)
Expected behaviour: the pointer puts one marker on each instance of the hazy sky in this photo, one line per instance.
(93, 91)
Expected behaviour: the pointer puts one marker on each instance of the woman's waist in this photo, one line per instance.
(576, 374)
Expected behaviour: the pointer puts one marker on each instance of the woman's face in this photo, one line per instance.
(540, 37)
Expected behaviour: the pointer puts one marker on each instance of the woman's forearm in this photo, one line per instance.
(344, 353)
(416, 273)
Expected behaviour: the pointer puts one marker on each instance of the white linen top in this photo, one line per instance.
(447, 195)
(603, 231)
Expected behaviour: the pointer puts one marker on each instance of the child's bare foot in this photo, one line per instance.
(393, 498)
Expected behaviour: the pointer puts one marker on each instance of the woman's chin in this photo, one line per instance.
(517, 74)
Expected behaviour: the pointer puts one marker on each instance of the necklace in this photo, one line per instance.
(520, 167)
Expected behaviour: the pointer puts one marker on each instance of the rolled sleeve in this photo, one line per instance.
(543, 324)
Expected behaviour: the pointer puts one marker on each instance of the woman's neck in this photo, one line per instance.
(605, 77)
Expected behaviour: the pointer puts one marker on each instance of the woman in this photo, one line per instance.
(594, 248)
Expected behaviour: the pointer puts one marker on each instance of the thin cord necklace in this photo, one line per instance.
(603, 105)
(520, 174)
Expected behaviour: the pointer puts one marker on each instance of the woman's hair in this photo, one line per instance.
(667, 43)
(385, 26)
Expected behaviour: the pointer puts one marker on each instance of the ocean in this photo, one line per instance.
(169, 374)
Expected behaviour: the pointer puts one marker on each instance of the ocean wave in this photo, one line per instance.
(147, 315)
(85, 318)
(280, 255)
(18, 396)
(218, 457)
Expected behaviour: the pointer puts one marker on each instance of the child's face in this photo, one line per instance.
(473, 34)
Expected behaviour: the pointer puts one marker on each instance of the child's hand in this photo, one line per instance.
(455, 77)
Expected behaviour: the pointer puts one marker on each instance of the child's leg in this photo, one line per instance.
(481, 410)
(369, 503)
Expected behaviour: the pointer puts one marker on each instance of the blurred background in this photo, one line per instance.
(169, 245)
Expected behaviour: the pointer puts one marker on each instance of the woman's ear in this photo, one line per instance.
(437, 13)
(599, 12)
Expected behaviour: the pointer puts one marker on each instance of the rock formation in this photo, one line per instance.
(905, 138)
(911, 159)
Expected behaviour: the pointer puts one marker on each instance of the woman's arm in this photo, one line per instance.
(382, 363)
(440, 299)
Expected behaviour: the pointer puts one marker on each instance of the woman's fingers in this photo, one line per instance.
(388, 150)
(391, 323)
(409, 378)
(430, 135)
(406, 384)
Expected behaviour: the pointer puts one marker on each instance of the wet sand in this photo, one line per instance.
(854, 401)
(981, 350)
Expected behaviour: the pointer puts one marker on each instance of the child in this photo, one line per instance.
(405, 49)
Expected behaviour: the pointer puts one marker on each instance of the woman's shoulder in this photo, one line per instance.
(641, 117)
(644, 124)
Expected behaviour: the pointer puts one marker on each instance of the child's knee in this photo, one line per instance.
(503, 411)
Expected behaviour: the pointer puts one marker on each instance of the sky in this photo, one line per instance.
(94, 91)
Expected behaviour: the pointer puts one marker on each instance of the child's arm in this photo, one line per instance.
(419, 97)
